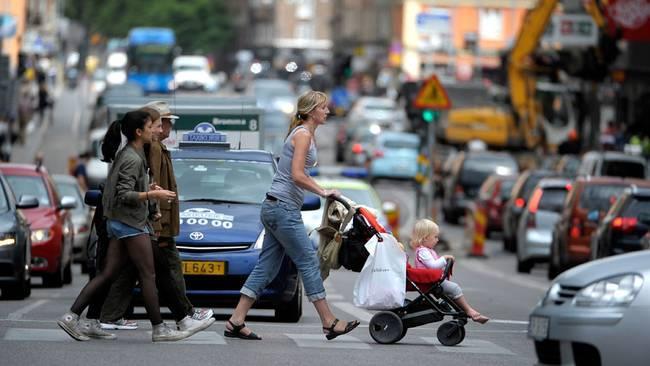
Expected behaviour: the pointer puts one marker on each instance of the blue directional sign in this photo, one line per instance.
(7, 26)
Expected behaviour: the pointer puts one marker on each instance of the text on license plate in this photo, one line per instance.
(204, 268)
(538, 327)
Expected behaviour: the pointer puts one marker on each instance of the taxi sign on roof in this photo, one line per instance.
(432, 95)
(204, 133)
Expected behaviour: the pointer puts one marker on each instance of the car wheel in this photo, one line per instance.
(524, 266)
(54, 279)
(67, 274)
(553, 265)
(290, 311)
(18, 291)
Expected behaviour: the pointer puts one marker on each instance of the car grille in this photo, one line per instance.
(213, 248)
(565, 293)
(214, 283)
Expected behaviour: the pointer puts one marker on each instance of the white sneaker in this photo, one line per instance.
(92, 329)
(162, 333)
(69, 322)
(120, 324)
(192, 326)
(202, 314)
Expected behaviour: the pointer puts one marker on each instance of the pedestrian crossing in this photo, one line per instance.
(213, 338)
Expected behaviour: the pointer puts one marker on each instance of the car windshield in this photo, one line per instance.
(360, 196)
(600, 197)
(70, 189)
(222, 180)
(400, 144)
(552, 199)
(31, 186)
(623, 169)
(4, 203)
(477, 169)
(189, 68)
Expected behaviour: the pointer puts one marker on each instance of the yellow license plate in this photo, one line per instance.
(204, 268)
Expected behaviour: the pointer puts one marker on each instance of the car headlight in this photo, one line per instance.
(610, 292)
(40, 235)
(259, 241)
(7, 239)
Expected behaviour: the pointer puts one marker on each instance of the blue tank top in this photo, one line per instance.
(283, 187)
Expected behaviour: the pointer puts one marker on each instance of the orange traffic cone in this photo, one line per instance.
(479, 216)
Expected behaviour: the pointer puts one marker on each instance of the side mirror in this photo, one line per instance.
(27, 201)
(68, 203)
(93, 197)
(593, 216)
(310, 203)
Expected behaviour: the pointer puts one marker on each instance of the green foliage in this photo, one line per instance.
(200, 25)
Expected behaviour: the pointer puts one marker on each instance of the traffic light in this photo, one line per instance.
(429, 115)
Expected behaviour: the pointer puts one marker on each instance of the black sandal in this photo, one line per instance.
(331, 333)
(236, 332)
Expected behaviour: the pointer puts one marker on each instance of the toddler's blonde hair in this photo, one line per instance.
(422, 229)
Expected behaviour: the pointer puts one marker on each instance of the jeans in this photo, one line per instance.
(285, 234)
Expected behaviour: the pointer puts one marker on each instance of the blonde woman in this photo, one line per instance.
(424, 239)
(285, 232)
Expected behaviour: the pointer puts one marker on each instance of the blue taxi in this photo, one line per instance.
(220, 191)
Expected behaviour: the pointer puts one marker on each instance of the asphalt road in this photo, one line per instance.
(29, 334)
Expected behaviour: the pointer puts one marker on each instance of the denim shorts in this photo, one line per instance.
(119, 230)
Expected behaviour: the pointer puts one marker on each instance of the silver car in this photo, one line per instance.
(596, 314)
(535, 228)
(81, 217)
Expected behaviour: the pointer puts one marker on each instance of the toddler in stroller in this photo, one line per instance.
(438, 297)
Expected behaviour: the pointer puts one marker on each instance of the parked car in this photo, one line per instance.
(493, 194)
(626, 224)
(521, 191)
(81, 217)
(52, 230)
(15, 243)
(612, 163)
(595, 314)
(395, 156)
(96, 169)
(535, 229)
(468, 171)
(571, 243)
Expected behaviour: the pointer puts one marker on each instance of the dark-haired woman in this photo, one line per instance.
(125, 201)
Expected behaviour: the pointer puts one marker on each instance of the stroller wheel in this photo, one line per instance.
(451, 333)
(386, 327)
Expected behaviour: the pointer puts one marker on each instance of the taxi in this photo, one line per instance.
(221, 191)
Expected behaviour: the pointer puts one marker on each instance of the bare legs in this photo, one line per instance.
(470, 311)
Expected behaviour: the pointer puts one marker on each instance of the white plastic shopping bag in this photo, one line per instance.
(382, 281)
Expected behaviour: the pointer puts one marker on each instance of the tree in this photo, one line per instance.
(200, 25)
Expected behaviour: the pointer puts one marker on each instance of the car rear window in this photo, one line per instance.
(599, 197)
(475, 170)
(506, 188)
(637, 206)
(623, 169)
(530, 183)
(400, 144)
(552, 199)
(31, 186)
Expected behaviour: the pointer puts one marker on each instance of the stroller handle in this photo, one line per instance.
(342, 200)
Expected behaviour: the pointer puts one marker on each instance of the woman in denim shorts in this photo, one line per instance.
(125, 202)
(284, 230)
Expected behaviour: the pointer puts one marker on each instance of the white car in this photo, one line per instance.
(96, 169)
(193, 73)
(380, 110)
(596, 314)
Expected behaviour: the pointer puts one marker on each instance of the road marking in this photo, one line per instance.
(469, 346)
(477, 266)
(349, 308)
(46, 335)
(204, 337)
(319, 341)
(507, 321)
(16, 315)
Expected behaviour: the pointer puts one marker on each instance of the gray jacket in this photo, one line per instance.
(127, 177)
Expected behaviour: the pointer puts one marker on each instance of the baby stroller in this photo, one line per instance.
(341, 245)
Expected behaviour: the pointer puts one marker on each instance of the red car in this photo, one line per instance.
(493, 195)
(50, 222)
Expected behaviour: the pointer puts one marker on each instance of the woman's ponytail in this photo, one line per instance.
(111, 142)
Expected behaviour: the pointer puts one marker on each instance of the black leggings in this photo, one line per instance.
(138, 250)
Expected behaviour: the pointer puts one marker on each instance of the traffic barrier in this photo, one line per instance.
(477, 220)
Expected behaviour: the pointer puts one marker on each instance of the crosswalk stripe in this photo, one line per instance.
(319, 341)
(205, 337)
(349, 308)
(16, 315)
(469, 346)
(45, 335)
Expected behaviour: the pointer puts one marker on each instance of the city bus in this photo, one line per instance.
(151, 52)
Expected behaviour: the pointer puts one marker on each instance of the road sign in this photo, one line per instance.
(432, 95)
